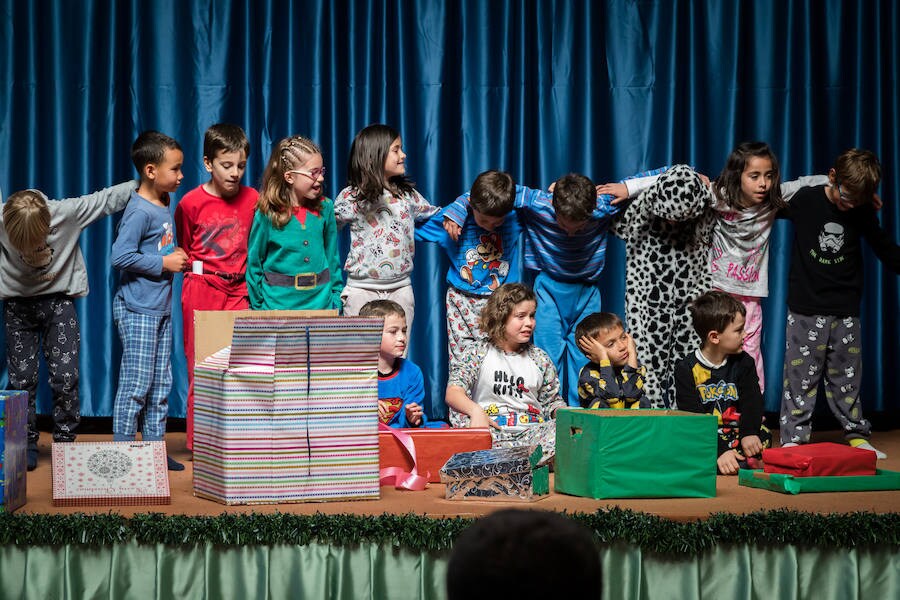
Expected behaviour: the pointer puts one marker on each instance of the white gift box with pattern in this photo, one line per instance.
(289, 412)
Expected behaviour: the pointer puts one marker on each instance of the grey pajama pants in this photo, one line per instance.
(817, 345)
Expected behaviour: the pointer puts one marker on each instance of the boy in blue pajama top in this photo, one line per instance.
(484, 252)
(565, 242)
(146, 253)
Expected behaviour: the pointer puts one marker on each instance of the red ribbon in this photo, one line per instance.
(397, 476)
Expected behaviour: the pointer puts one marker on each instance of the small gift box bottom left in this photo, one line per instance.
(110, 474)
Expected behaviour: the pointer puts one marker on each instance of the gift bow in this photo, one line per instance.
(397, 476)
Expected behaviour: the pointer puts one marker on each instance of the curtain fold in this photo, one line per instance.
(538, 88)
(367, 571)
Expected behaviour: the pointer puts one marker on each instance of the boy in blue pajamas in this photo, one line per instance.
(146, 253)
(565, 242)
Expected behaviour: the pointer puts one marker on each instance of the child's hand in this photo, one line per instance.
(632, 351)
(452, 229)
(176, 262)
(751, 445)
(728, 462)
(480, 419)
(619, 191)
(383, 411)
(413, 414)
(704, 179)
(593, 349)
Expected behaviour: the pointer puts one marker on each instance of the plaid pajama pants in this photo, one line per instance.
(145, 377)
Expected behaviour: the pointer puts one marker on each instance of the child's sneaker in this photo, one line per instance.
(789, 445)
(32, 459)
(173, 464)
(865, 445)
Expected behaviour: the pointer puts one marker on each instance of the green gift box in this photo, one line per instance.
(789, 484)
(635, 453)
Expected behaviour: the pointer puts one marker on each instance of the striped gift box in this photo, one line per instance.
(289, 412)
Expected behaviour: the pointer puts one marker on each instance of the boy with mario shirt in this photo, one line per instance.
(824, 293)
(565, 241)
(719, 378)
(212, 223)
(613, 378)
(42, 272)
(146, 253)
(483, 253)
(401, 387)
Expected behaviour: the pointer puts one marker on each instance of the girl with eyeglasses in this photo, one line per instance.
(292, 254)
(382, 207)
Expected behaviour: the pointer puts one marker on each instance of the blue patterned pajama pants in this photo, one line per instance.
(145, 377)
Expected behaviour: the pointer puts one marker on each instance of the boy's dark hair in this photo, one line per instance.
(714, 311)
(225, 137)
(594, 323)
(728, 186)
(499, 306)
(493, 193)
(574, 197)
(524, 554)
(150, 149)
(381, 308)
(860, 171)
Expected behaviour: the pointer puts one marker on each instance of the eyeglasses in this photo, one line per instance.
(845, 198)
(313, 174)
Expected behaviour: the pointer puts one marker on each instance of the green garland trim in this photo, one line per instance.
(415, 533)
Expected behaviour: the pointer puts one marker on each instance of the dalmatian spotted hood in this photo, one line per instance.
(680, 195)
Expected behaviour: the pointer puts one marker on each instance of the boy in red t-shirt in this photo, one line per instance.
(212, 225)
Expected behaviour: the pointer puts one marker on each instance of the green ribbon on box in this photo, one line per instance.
(635, 454)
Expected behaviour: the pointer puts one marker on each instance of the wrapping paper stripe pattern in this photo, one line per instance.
(13, 440)
(110, 473)
(289, 412)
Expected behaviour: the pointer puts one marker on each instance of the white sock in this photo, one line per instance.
(868, 446)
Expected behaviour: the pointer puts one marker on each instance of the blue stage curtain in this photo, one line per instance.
(535, 87)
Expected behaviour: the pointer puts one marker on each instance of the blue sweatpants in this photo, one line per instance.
(145, 376)
(560, 306)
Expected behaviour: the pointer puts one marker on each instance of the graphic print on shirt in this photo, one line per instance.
(221, 235)
(831, 238)
(166, 243)
(393, 407)
(484, 263)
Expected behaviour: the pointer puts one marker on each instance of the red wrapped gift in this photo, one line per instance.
(433, 447)
(825, 458)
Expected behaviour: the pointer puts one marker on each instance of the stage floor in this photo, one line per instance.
(729, 498)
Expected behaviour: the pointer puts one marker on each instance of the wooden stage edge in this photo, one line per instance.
(730, 498)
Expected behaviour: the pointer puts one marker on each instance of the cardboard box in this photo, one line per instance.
(788, 484)
(635, 454)
(289, 411)
(498, 474)
(821, 459)
(433, 448)
(13, 442)
(110, 474)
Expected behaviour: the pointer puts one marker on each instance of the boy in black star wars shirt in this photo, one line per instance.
(824, 293)
(720, 378)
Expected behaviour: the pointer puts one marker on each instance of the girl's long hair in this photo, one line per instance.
(275, 193)
(365, 168)
(728, 185)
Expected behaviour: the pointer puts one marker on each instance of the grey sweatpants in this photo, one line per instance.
(817, 345)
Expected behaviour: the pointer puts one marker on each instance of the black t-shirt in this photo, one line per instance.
(826, 276)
